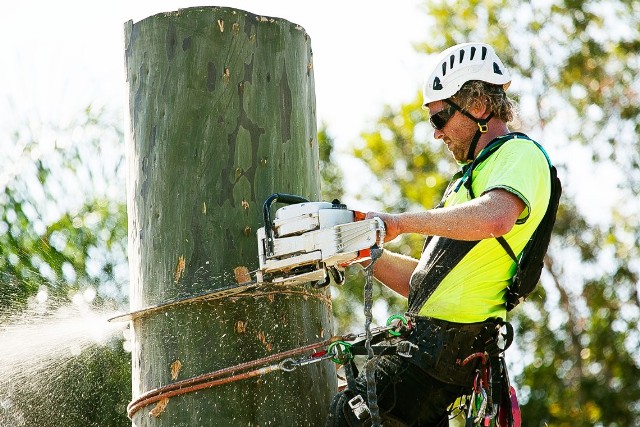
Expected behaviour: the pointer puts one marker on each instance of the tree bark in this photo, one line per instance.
(221, 115)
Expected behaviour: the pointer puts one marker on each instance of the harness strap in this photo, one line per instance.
(482, 127)
(507, 248)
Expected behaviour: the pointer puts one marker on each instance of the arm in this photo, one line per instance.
(490, 215)
(394, 271)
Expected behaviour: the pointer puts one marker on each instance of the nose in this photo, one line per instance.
(438, 134)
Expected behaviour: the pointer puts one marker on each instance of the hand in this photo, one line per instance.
(391, 224)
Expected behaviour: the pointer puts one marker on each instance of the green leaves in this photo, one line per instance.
(63, 226)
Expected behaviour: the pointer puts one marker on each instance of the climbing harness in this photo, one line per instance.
(492, 401)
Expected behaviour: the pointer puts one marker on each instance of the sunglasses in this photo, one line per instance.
(440, 119)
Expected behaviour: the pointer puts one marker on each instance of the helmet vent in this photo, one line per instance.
(459, 64)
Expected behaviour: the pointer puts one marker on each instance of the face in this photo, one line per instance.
(454, 132)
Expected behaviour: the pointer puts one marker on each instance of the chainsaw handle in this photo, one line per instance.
(289, 199)
(382, 227)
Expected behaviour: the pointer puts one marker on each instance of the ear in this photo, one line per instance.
(480, 110)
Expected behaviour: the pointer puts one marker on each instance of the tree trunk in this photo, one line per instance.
(222, 114)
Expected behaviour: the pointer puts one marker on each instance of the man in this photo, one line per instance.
(456, 291)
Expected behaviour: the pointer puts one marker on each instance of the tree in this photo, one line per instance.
(222, 108)
(63, 213)
(574, 65)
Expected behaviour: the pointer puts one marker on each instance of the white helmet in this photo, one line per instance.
(460, 64)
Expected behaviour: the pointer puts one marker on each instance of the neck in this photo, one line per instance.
(495, 129)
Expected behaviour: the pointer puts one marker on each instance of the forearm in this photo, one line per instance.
(458, 222)
(490, 215)
(394, 271)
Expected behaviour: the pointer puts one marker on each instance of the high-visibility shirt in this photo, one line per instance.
(474, 289)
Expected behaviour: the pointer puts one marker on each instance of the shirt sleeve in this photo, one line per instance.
(521, 168)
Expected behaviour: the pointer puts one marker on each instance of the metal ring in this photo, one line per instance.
(347, 350)
(391, 318)
(289, 361)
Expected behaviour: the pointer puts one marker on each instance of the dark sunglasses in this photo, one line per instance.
(440, 119)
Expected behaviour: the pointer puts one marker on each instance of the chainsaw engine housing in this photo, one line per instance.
(307, 240)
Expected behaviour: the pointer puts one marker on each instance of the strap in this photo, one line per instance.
(503, 242)
(482, 126)
(484, 154)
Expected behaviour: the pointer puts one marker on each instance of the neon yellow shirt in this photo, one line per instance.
(474, 289)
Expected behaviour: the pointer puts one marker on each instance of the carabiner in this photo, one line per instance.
(344, 349)
(394, 317)
(288, 365)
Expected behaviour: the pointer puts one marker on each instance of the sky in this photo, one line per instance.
(59, 57)
(56, 58)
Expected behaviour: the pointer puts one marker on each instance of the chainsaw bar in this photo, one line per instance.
(205, 296)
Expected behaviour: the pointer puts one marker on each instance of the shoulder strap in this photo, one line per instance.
(484, 154)
(507, 248)
(491, 148)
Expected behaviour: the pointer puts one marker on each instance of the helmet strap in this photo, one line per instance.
(482, 127)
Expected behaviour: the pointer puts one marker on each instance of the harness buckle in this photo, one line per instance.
(359, 408)
(406, 349)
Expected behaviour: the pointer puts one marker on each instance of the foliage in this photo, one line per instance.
(63, 241)
(63, 216)
(574, 66)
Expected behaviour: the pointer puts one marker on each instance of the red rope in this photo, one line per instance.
(212, 379)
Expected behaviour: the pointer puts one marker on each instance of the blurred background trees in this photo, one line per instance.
(63, 243)
(575, 76)
(63, 215)
(577, 355)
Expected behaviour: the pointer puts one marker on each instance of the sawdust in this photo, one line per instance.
(241, 327)
(175, 369)
(263, 339)
(159, 408)
(241, 274)
(180, 266)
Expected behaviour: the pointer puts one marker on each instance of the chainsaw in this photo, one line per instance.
(312, 242)
(306, 242)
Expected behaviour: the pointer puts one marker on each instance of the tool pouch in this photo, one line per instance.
(428, 337)
(443, 346)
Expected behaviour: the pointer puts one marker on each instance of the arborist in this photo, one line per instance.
(457, 290)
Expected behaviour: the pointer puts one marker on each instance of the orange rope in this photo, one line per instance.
(212, 379)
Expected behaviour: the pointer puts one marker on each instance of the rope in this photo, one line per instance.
(369, 368)
(212, 379)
